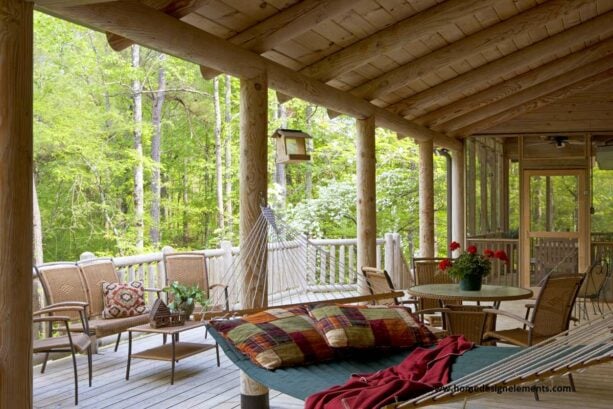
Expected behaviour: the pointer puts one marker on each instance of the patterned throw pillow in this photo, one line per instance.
(351, 326)
(276, 337)
(123, 300)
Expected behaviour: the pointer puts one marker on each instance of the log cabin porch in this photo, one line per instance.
(500, 84)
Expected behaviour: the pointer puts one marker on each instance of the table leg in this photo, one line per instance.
(172, 373)
(129, 354)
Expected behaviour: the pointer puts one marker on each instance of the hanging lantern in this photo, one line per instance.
(291, 146)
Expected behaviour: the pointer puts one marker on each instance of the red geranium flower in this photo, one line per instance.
(454, 246)
(444, 264)
(488, 253)
(472, 249)
(501, 255)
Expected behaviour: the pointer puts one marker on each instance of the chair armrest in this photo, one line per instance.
(52, 319)
(414, 302)
(54, 308)
(66, 303)
(217, 285)
(431, 311)
(510, 315)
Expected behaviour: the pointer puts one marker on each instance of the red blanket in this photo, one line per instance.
(422, 371)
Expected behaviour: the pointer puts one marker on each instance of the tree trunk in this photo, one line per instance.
(137, 101)
(37, 225)
(156, 140)
(218, 165)
(308, 176)
(280, 170)
(228, 155)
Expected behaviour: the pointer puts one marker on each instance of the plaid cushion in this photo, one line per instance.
(370, 326)
(276, 337)
(123, 300)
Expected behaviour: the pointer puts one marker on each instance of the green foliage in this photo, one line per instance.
(185, 298)
(468, 264)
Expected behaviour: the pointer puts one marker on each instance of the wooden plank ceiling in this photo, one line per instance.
(455, 67)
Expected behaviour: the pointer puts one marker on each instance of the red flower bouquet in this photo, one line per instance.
(470, 266)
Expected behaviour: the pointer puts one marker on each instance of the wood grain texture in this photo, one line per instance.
(16, 32)
(528, 94)
(520, 60)
(426, 199)
(367, 197)
(516, 84)
(408, 30)
(458, 229)
(285, 25)
(157, 30)
(472, 45)
(537, 103)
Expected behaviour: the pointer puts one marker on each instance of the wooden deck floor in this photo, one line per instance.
(199, 383)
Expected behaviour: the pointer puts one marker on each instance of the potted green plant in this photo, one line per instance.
(470, 268)
(184, 299)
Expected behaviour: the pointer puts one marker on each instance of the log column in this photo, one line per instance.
(457, 200)
(253, 193)
(16, 204)
(426, 199)
(367, 198)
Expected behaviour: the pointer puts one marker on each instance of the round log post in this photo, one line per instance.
(253, 193)
(457, 199)
(16, 254)
(426, 198)
(367, 198)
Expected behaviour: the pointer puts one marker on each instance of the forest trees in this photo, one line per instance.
(134, 151)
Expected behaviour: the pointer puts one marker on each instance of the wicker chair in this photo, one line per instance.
(379, 282)
(426, 271)
(94, 272)
(190, 269)
(592, 288)
(551, 314)
(68, 341)
(467, 320)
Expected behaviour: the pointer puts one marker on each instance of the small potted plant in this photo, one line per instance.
(470, 268)
(184, 299)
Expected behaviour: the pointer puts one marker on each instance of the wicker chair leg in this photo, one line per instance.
(572, 382)
(536, 395)
(42, 368)
(89, 363)
(117, 343)
(76, 378)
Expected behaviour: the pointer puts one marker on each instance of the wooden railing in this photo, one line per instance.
(337, 265)
(502, 274)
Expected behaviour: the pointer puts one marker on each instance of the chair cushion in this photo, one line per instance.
(79, 341)
(123, 299)
(351, 326)
(276, 337)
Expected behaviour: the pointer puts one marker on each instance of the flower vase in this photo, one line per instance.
(186, 310)
(470, 283)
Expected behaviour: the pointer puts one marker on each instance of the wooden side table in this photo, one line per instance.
(174, 351)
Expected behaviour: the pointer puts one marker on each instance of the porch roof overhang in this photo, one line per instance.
(429, 70)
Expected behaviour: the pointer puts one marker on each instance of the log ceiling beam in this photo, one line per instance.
(155, 29)
(530, 94)
(285, 25)
(175, 8)
(470, 82)
(418, 26)
(61, 3)
(439, 118)
(537, 103)
(467, 47)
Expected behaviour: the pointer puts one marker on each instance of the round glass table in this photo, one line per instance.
(450, 292)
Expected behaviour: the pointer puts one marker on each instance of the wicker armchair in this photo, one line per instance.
(94, 272)
(190, 269)
(551, 314)
(467, 320)
(66, 341)
(379, 282)
(426, 271)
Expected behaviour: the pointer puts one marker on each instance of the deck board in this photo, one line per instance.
(199, 383)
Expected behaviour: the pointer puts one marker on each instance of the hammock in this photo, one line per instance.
(483, 367)
(287, 267)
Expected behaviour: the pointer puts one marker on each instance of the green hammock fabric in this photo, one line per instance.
(303, 381)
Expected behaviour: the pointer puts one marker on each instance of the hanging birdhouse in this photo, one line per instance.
(291, 146)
